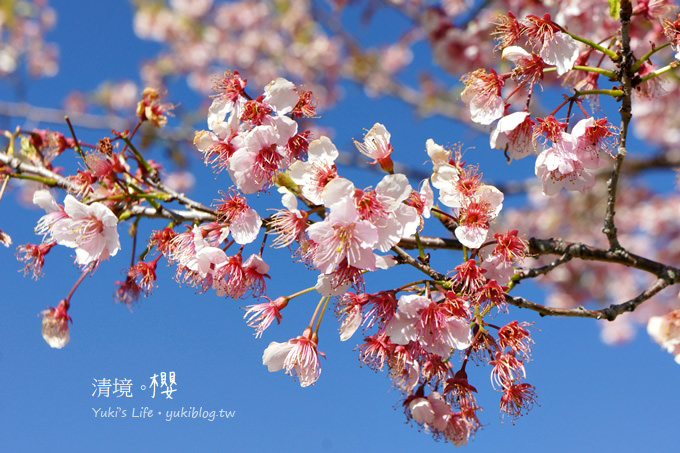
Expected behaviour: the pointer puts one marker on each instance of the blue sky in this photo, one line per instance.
(591, 397)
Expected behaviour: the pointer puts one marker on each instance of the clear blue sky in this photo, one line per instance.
(590, 397)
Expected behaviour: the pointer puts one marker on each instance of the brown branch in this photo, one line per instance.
(626, 79)
(535, 272)
(430, 243)
(408, 259)
(590, 253)
(610, 313)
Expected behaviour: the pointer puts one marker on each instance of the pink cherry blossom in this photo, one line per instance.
(55, 212)
(554, 46)
(282, 95)
(385, 209)
(260, 316)
(253, 166)
(319, 170)
(476, 215)
(350, 323)
(229, 100)
(376, 145)
(665, 330)
(482, 93)
(513, 134)
(342, 235)
(238, 218)
(288, 224)
(55, 328)
(298, 357)
(418, 320)
(560, 167)
(90, 229)
(437, 153)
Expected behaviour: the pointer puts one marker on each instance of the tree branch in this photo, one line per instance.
(610, 313)
(626, 78)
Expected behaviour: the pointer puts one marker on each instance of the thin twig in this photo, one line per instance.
(408, 259)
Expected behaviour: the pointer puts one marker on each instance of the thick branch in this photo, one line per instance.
(590, 253)
(429, 242)
(626, 77)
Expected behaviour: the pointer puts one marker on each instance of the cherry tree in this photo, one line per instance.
(564, 85)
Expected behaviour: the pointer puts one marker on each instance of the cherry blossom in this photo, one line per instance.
(513, 134)
(342, 234)
(376, 145)
(254, 164)
(420, 319)
(55, 328)
(238, 218)
(665, 330)
(483, 95)
(298, 357)
(555, 47)
(317, 171)
(260, 316)
(560, 167)
(90, 229)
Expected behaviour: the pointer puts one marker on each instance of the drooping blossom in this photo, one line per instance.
(33, 257)
(528, 66)
(236, 277)
(482, 93)
(298, 357)
(288, 224)
(55, 328)
(554, 46)
(260, 316)
(561, 167)
(513, 133)
(422, 320)
(140, 279)
(507, 370)
(350, 322)
(517, 398)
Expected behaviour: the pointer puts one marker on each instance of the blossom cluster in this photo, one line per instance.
(570, 160)
(424, 332)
